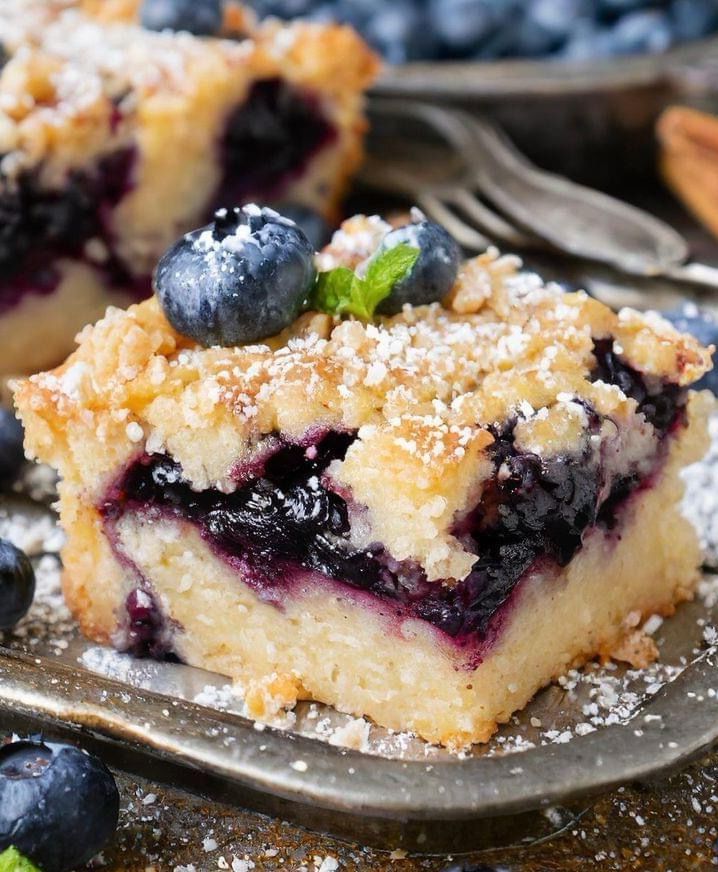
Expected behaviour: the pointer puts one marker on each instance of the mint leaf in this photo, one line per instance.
(386, 270)
(333, 290)
(340, 290)
(11, 860)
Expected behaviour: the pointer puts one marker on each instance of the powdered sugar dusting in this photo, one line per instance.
(700, 504)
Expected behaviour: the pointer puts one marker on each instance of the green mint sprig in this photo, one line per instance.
(341, 291)
(11, 860)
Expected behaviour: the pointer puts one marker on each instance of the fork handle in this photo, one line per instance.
(700, 275)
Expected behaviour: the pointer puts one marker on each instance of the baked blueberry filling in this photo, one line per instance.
(38, 225)
(146, 630)
(285, 523)
(269, 141)
(658, 402)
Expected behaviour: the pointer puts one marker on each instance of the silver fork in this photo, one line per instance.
(491, 193)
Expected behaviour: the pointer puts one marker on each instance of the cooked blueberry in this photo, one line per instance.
(146, 630)
(660, 406)
(201, 17)
(269, 139)
(58, 805)
(17, 584)
(11, 450)
(57, 223)
(241, 279)
(435, 270)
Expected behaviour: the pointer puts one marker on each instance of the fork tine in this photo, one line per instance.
(488, 220)
(466, 236)
(576, 219)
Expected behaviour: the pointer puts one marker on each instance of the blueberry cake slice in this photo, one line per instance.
(115, 138)
(413, 488)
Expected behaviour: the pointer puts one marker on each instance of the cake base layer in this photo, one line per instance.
(344, 647)
(41, 328)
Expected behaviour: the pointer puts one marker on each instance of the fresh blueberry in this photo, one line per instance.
(312, 224)
(407, 30)
(643, 32)
(357, 13)
(547, 25)
(11, 450)
(434, 271)
(286, 9)
(201, 17)
(616, 8)
(694, 18)
(400, 31)
(17, 584)
(58, 805)
(704, 326)
(462, 25)
(588, 41)
(238, 280)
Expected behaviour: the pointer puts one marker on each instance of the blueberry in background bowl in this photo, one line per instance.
(435, 270)
(12, 454)
(17, 584)
(200, 17)
(408, 30)
(241, 279)
(58, 806)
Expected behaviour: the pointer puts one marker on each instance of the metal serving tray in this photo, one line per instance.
(396, 793)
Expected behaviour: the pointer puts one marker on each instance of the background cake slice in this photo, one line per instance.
(421, 517)
(114, 139)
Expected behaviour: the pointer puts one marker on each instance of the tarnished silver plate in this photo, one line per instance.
(596, 729)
